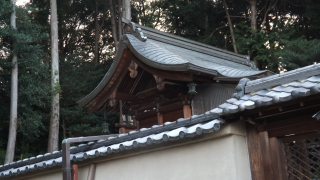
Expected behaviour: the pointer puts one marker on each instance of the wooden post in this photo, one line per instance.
(186, 111)
(160, 118)
(75, 172)
(278, 158)
(135, 122)
(255, 155)
(266, 155)
(122, 129)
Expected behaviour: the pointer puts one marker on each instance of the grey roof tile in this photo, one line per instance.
(315, 79)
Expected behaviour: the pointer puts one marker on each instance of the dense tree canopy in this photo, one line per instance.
(287, 36)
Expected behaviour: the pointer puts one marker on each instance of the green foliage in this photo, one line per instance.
(276, 46)
(299, 53)
(78, 74)
(262, 46)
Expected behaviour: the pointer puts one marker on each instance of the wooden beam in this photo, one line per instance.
(170, 107)
(114, 82)
(186, 111)
(126, 97)
(147, 93)
(299, 137)
(286, 123)
(145, 115)
(125, 126)
(297, 129)
(179, 76)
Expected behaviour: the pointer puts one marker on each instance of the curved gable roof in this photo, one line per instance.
(173, 53)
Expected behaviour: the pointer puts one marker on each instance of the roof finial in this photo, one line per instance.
(130, 28)
(240, 88)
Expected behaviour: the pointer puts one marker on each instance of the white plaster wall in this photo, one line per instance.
(224, 158)
(82, 175)
(221, 155)
(49, 176)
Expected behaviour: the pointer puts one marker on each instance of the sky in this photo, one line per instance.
(21, 2)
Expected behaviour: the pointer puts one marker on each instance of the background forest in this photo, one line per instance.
(278, 35)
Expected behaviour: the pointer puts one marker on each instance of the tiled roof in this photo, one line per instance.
(190, 127)
(173, 53)
(273, 89)
(171, 57)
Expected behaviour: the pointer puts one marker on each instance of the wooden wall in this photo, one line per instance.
(267, 159)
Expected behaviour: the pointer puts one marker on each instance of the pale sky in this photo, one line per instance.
(21, 2)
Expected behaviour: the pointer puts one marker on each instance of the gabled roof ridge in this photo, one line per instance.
(195, 46)
(192, 42)
(283, 78)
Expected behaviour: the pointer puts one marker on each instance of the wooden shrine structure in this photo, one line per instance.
(149, 80)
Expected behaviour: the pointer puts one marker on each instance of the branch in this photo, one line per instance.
(214, 32)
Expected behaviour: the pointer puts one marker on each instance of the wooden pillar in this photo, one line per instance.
(255, 155)
(75, 172)
(186, 111)
(160, 118)
(135, 122)
(266, 155)
(122, 129)
(278, 158)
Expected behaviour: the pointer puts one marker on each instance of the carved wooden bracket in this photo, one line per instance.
(133, 69)
(159, 81)
(112, 100)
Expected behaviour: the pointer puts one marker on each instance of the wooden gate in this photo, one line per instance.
(303, 159)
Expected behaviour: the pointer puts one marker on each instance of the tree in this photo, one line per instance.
(14, 95)
(53, 142)
(298, 53)
(113, 24)
(230, 26)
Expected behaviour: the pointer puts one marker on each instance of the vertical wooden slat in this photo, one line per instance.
(255, 155)
(303, 156)
(283, 161)
(277, 159)
(266, 155)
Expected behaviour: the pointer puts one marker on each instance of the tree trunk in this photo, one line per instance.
(119, 19)
(253, 9)
(97, 34)
(230, 26)
(126, 9)
(55, 106)
(14, 97)
(113, 25)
